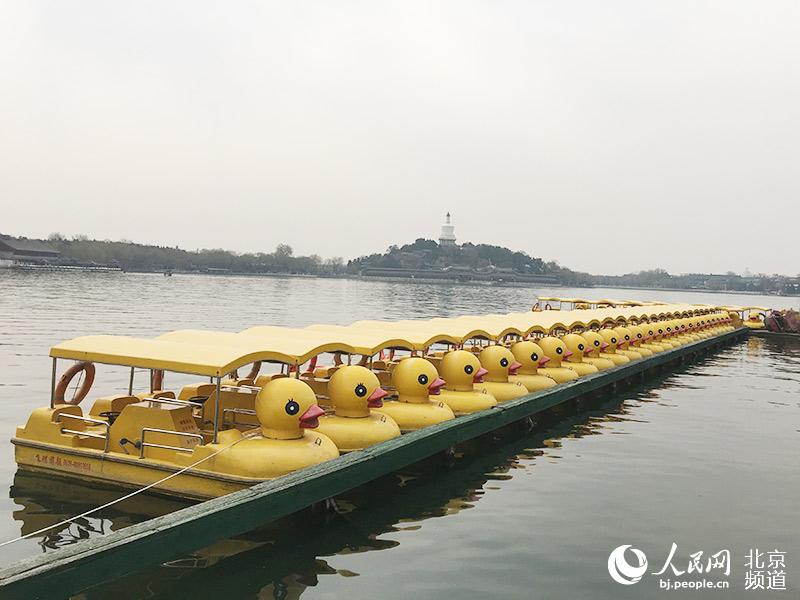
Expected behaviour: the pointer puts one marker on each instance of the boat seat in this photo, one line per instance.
(197, 390)
(127, 429)
(237, 382)
(230, 400)
(265, 379)
(384, 378)
(318, 384)
(325, 370)
(111, 404)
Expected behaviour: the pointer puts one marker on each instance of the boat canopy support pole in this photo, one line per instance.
(217, 409)
(53, 384)
(130, 383)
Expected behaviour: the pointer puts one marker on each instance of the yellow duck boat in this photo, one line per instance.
(416, 380)
(599, 348)
(500, 364)
(555, 350)
(461, 371)
(623, 342)
(611, 337)
(642, 340)
(140, 441)
(530, 356)
(633, 343)
(353, 391)
(580, 361)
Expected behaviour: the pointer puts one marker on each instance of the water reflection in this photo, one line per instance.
(45, 501)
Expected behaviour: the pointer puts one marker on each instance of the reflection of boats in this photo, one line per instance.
(46, 501)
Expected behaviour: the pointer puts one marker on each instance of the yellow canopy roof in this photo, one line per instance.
(215, 353)
(199, 359)
(278, 344)
(368, 341)
(428, 331)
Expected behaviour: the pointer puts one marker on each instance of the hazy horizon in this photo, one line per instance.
(610, 137)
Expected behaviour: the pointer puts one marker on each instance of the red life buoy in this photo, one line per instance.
(63, 383)
(254, 370)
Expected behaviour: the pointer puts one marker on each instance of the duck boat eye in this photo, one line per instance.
(468, 369)
(361, 390)
(292, 407)
(423, 379)
(503, 362)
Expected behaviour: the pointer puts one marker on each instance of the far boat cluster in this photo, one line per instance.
(226, 431)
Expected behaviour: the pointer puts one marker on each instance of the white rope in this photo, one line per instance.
(77, 384)
(131, 495)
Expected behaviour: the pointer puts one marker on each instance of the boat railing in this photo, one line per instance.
(143, 444)
(249, 388)
(91, 434)
(174, 401)
(238, 411)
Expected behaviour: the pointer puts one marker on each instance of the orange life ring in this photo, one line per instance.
(63, 383)
(254, 370)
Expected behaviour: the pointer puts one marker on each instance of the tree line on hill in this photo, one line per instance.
(422, 254)
(130, 256)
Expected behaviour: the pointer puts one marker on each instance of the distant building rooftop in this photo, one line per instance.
(22, 248)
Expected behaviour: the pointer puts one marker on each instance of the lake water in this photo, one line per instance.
(705, 456)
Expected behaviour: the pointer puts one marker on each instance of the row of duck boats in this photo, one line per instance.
(225, 431)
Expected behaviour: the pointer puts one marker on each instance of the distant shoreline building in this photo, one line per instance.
(14, 250)
(448, 236)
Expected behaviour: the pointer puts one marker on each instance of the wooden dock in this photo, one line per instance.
(71, 569)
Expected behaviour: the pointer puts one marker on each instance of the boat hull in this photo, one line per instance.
(132, 472)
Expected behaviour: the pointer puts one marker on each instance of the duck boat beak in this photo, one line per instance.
(587, 351)
(512, 370)
(436, 386)
(375, 399)
(603, 346)
(544, 360)
(478, 377)
(310, 418)
(567, 354)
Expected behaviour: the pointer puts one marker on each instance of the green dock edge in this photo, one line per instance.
(68, 570)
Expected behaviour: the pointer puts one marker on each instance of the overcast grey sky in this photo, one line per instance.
(610, 136)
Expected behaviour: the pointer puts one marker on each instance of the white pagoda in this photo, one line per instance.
(448, 236)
